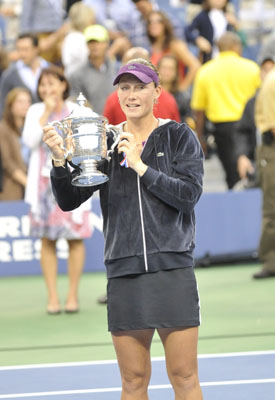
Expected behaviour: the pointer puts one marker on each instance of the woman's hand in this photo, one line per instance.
(50, 103)
(231, 19)
(132, 149)
(244, 166)
(203, 44)
(54, 142)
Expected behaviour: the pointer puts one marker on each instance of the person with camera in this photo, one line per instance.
(155, 181)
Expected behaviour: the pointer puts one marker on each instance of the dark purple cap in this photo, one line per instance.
(142, 72)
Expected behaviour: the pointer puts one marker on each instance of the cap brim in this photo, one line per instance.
(140, 75)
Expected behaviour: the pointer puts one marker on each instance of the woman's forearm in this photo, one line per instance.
(20, 177)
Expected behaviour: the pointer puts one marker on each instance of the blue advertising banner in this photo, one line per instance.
(227, 223)
(20, 253)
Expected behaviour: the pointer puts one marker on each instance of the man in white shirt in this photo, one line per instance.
(25, 71)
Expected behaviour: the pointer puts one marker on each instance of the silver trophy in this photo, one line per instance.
(84, 134)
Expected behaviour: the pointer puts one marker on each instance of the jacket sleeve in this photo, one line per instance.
(183, 188)
(192, 30)
(68, 197)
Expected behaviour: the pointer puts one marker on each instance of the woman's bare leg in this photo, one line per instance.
(133, 355)
(75, 267)
(181, 361)
(48, 263)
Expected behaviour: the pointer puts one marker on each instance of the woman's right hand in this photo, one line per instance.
(203, 44)
(54, 141)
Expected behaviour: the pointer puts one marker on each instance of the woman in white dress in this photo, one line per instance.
(48, 222)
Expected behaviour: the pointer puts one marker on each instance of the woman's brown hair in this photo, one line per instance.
(59, 74)
(175, 82)
(12, 95)
(168, 28)
(206, 5)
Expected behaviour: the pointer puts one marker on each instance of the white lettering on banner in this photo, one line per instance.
(25, 225)
(5, 250)
(9, 226)
(20, 247)
(22, 250)
(28, 250)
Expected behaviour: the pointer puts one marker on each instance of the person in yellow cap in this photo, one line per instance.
(95, 78)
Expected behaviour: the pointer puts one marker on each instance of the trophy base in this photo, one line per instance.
(83, 180)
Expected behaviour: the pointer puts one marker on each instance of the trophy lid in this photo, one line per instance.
(81, 111)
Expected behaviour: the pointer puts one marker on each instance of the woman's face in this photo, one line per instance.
(168, 70)
(155, 25)
(218, 4)
(51, 86)
(21, 105)
(136, 98)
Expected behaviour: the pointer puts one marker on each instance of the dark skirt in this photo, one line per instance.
(162, 299)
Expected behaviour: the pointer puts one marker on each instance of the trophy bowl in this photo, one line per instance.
(84, 135)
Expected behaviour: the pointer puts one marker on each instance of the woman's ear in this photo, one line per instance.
(157, 93)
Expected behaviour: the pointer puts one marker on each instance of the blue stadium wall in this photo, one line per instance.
(228, 229)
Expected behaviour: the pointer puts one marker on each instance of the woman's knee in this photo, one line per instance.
(135, 381)
(183, 380)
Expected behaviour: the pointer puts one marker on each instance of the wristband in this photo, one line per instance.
(58, 162)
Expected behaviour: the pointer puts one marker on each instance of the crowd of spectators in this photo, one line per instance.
(90, 39)
(210, 55)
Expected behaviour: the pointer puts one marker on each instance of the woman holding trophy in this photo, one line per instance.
(155, 180)
(48, 222)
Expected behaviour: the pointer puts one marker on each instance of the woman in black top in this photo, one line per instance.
(155, 180)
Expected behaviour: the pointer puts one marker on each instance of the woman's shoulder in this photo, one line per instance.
(5, 128)
(176, 128)
(8, 135)
(171, 127)
(177, 45)
(179, 135)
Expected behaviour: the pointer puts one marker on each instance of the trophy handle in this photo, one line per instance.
(116, 136)
(60, 125)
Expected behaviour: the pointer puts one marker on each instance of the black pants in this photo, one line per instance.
(224, 134)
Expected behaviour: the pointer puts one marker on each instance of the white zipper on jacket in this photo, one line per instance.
(142, 225)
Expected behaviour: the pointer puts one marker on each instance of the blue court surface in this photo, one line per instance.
(232, 376)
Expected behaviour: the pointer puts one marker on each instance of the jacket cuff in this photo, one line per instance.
(60, 172)
(150, 177)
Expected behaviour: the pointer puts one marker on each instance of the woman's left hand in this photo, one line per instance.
(132, 150)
